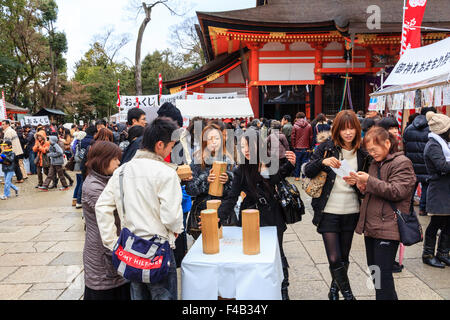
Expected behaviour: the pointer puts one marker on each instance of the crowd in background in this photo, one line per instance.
(387, 168)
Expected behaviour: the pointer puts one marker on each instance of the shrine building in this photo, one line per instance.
(295, 55)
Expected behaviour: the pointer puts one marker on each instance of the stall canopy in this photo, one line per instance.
(419, 68)
(216, 109)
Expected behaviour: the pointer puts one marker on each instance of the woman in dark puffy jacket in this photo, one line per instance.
(437, 160)
(213, 149)
(101, 279)
(258, 180)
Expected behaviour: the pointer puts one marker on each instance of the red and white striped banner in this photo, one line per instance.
(413, 16)
(160, 85)
(118, 94)
(3, 114)
(400, 122)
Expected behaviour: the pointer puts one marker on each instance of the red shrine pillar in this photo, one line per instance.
(253, 91)
(318, 89)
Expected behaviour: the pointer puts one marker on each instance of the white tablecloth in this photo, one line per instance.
(231, 273)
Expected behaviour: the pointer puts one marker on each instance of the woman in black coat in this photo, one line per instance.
(437, 161)
(258, 182)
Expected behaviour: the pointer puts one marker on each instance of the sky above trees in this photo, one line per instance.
(82, 20)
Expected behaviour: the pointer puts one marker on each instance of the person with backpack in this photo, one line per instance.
(7, 160)
(147, 194)
(55, 153)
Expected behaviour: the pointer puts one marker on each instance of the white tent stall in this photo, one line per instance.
(216, 108)
(426, 68)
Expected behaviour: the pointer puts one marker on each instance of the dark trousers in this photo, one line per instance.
(423, 196)
(302, 156)
(381, 256)
(163, 290)
(40, 176)
(31, 158)
(78, 188)
(438, 223)
(52, 173)
(17, 171)
(120, 293)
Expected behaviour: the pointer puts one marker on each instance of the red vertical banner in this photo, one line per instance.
(160, 85)
(412, 21)
(186, 94)
(118, 93)
(137, 102)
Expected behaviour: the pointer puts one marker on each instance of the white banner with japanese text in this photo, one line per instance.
(172, 98)
(199, 96)
(421, 64)
(35, 121)
(128, 102)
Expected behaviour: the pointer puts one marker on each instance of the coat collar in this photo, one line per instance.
(144, 154)
(99, 176)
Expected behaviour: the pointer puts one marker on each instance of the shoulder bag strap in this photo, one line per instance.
(390, 203)
(121, 188)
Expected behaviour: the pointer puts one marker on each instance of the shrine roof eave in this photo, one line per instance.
(221, 62)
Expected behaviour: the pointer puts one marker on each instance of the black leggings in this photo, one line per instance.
(337, 246)
(381, 253)
(438, 223)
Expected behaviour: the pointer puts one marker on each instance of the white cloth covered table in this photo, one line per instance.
(231, 273)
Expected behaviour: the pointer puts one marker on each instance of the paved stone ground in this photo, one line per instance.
(42, 239)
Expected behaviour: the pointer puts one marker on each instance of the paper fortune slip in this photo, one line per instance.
(344, 170)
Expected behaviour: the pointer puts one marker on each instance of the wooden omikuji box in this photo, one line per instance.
(250, 231)
(210, 231)
(215, 204)
(184, 171)
(216, 188)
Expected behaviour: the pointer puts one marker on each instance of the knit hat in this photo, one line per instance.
(170, 111)
(438, 123)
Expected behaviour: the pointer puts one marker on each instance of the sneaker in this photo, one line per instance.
(17, 192)
(38, 186)
(63, 188)
(42, 188)
(3, 198)
(78, 206)
(20, 181)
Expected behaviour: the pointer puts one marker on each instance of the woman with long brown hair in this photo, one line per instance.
(101, 279)
(213, 149)
(336, 212)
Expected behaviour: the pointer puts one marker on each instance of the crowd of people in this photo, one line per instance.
(126, 179)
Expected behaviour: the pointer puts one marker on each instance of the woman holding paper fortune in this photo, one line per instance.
(390, 181)
(213, 149)
(258, 178)
(336, 211)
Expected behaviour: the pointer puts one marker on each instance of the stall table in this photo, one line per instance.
(232, 274)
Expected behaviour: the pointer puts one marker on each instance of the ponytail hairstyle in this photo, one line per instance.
(378, 136)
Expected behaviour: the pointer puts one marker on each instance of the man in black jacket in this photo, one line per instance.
(136, 117)
(415, 139)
